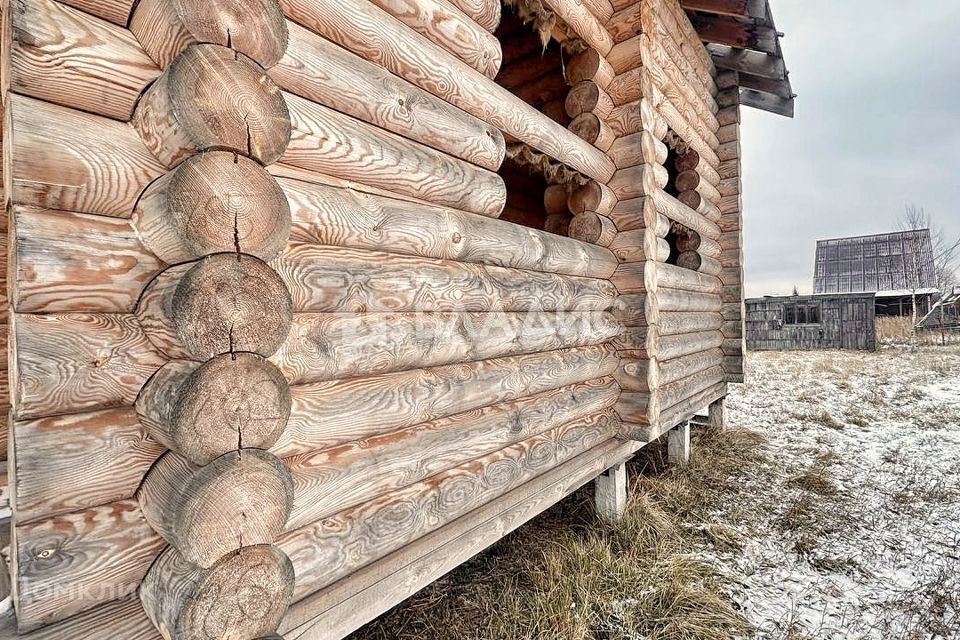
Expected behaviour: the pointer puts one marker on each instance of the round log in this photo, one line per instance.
(211, 97)
(588, 97)
(211, 203)
(204, 411)
(557, 224)
(592, 228)
(255, 28)
(593, 196)
(589, 127)
(687, 240)
(224, 303)
(555, 200)
(590, 65)
(244, 595)
(242, 498)
(687, 180)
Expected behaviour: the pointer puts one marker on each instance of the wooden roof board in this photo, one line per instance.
(741, 36)
(899, 261)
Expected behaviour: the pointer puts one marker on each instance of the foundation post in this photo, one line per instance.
(678, 444)
(611, 493)
(717, 417)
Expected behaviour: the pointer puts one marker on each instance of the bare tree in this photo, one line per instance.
(946, 249)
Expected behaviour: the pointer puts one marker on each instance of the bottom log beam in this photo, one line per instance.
(339, 545)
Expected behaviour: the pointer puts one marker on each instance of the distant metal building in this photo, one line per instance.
(835, 321)
(895, 267)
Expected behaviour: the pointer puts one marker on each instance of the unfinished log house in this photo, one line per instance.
(312, 300)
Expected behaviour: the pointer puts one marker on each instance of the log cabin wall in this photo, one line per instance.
(665, 96)
(731, 224)
(270, 335)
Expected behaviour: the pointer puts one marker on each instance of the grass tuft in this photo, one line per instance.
(569, 576)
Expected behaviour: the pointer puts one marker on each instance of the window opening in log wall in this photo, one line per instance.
(537, 188)
(683, 241)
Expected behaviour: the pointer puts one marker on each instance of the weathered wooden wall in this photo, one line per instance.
(846, 321)
(261, 240)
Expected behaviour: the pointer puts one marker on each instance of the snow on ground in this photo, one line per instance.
(851, 527)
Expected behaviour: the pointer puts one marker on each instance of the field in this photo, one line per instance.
(829, 510)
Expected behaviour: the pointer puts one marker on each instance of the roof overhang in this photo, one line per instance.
(741, 36)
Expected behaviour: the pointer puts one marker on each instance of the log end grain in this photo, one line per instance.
(214, 202)
(211, 97)
(244, 595)
(234, 400)
(240, 499)
(228, 303)
(255, 28)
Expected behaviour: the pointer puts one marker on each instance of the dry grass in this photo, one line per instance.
(893, 330)
(567, 576)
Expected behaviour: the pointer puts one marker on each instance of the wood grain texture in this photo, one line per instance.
(67, 57)
(486, 13)
(241, 498)
(448, 27)
(74, 362)
(75, 562)
(671, 347)
(359, 26)
(213, 202)
(685, 409)
(68, 160)
(670, 276)
(115, 11)
(679, 368)
(80, 461)
(332, 280)
(123, 618)
(324, 552)
(255, 28)
(578, 17)
(346, 476)
(673, 322)
(342, 345)
(327, 141)
(222, 303)
(327, 414)
(372, 590)
(319, 70)
(334, 216)
(68, 261)
(203, 411)
(593, 228)
(210, 97)
(244, 595)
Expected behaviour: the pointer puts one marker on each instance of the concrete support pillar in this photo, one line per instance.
(678, 444)
(718, 415)
(611, 493)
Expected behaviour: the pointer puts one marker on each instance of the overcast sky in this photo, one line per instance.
(877, 127)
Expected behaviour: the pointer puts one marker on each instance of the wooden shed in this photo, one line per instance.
(832, 321)
(309, 301)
